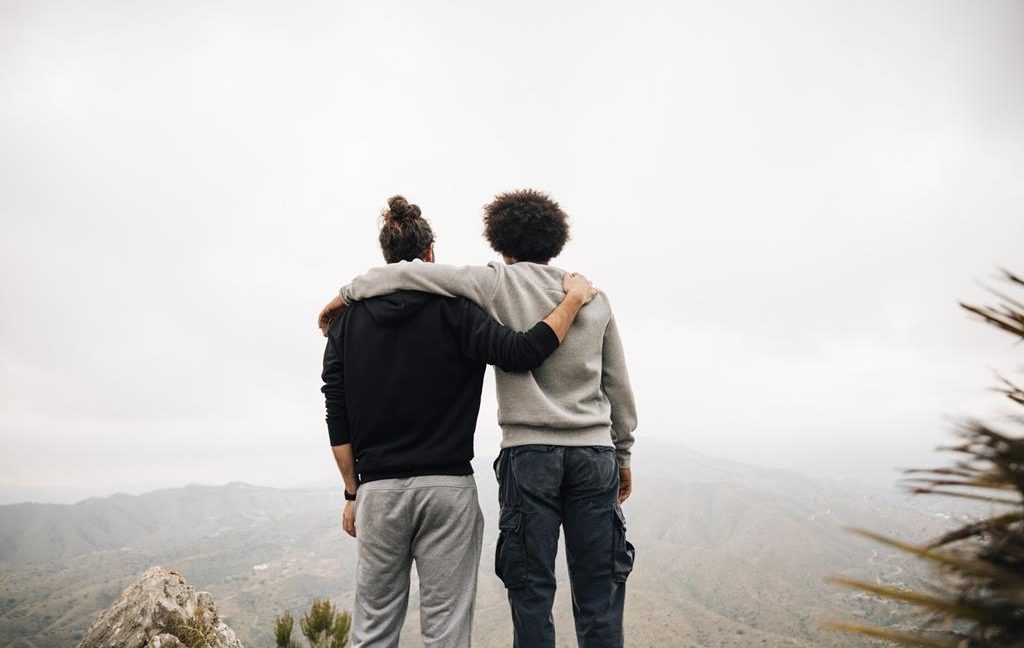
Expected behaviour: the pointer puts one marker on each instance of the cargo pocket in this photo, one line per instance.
(625, 553)
(510, 554)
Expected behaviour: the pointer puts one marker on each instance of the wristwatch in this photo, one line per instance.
(349, 497)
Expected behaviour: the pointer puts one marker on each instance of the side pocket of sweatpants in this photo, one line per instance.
(510, 554)
(624, 554)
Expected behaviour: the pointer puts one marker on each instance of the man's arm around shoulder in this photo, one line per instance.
(476, 283)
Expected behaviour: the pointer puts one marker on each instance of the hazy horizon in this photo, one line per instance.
(783, 203)
(15, 494)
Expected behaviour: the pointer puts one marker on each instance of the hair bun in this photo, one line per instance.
(401, 210)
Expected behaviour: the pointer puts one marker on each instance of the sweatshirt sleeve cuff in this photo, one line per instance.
(623, 457)
(339, 432)
(544, 338)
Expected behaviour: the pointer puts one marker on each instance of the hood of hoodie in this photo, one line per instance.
(397, 307)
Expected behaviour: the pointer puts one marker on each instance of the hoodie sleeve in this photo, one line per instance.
(333, 375)
(482, 338)
(476, 283)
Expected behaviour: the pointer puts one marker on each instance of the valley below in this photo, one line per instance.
(728, 555)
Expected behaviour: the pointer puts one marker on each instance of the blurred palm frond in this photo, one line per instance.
(979, 598)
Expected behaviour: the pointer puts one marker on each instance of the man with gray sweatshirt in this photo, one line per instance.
(567, 426)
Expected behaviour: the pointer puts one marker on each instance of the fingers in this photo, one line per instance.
(578, 282)
(625, 484)
(329, 313)
(348, 519)
(590, 290)
(323, 321)
(326, 318)
(625, 490)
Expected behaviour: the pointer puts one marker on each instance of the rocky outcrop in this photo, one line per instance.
(160, 610)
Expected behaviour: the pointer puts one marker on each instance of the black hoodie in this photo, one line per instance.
(402, 380)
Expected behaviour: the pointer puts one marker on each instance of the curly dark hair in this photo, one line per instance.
(404, 235)
(526, 225)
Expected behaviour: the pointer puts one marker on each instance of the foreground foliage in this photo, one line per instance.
(978, 601)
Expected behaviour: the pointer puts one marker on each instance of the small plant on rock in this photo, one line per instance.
(323, 626)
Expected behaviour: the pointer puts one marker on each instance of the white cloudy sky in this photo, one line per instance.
(784, 201)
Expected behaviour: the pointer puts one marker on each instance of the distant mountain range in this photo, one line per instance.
(728, 555)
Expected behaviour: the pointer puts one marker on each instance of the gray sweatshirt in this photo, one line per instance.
(580, 397)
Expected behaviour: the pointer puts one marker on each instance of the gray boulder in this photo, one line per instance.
(160, 610)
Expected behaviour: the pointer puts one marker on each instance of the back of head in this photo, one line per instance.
(404, 235)
(526, 225)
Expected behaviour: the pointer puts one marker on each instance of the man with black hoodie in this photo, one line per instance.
(402, 380)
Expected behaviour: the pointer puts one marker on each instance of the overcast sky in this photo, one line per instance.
(783, 200)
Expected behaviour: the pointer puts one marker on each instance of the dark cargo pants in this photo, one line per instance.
(541, 488)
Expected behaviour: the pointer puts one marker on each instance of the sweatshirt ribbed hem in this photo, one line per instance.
(518, 435)
(598, 435)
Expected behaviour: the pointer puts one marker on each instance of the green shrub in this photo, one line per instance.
(323, 626)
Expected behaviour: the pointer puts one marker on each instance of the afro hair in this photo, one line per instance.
(526, 225)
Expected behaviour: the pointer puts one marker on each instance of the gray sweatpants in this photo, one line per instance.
(436, 521)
